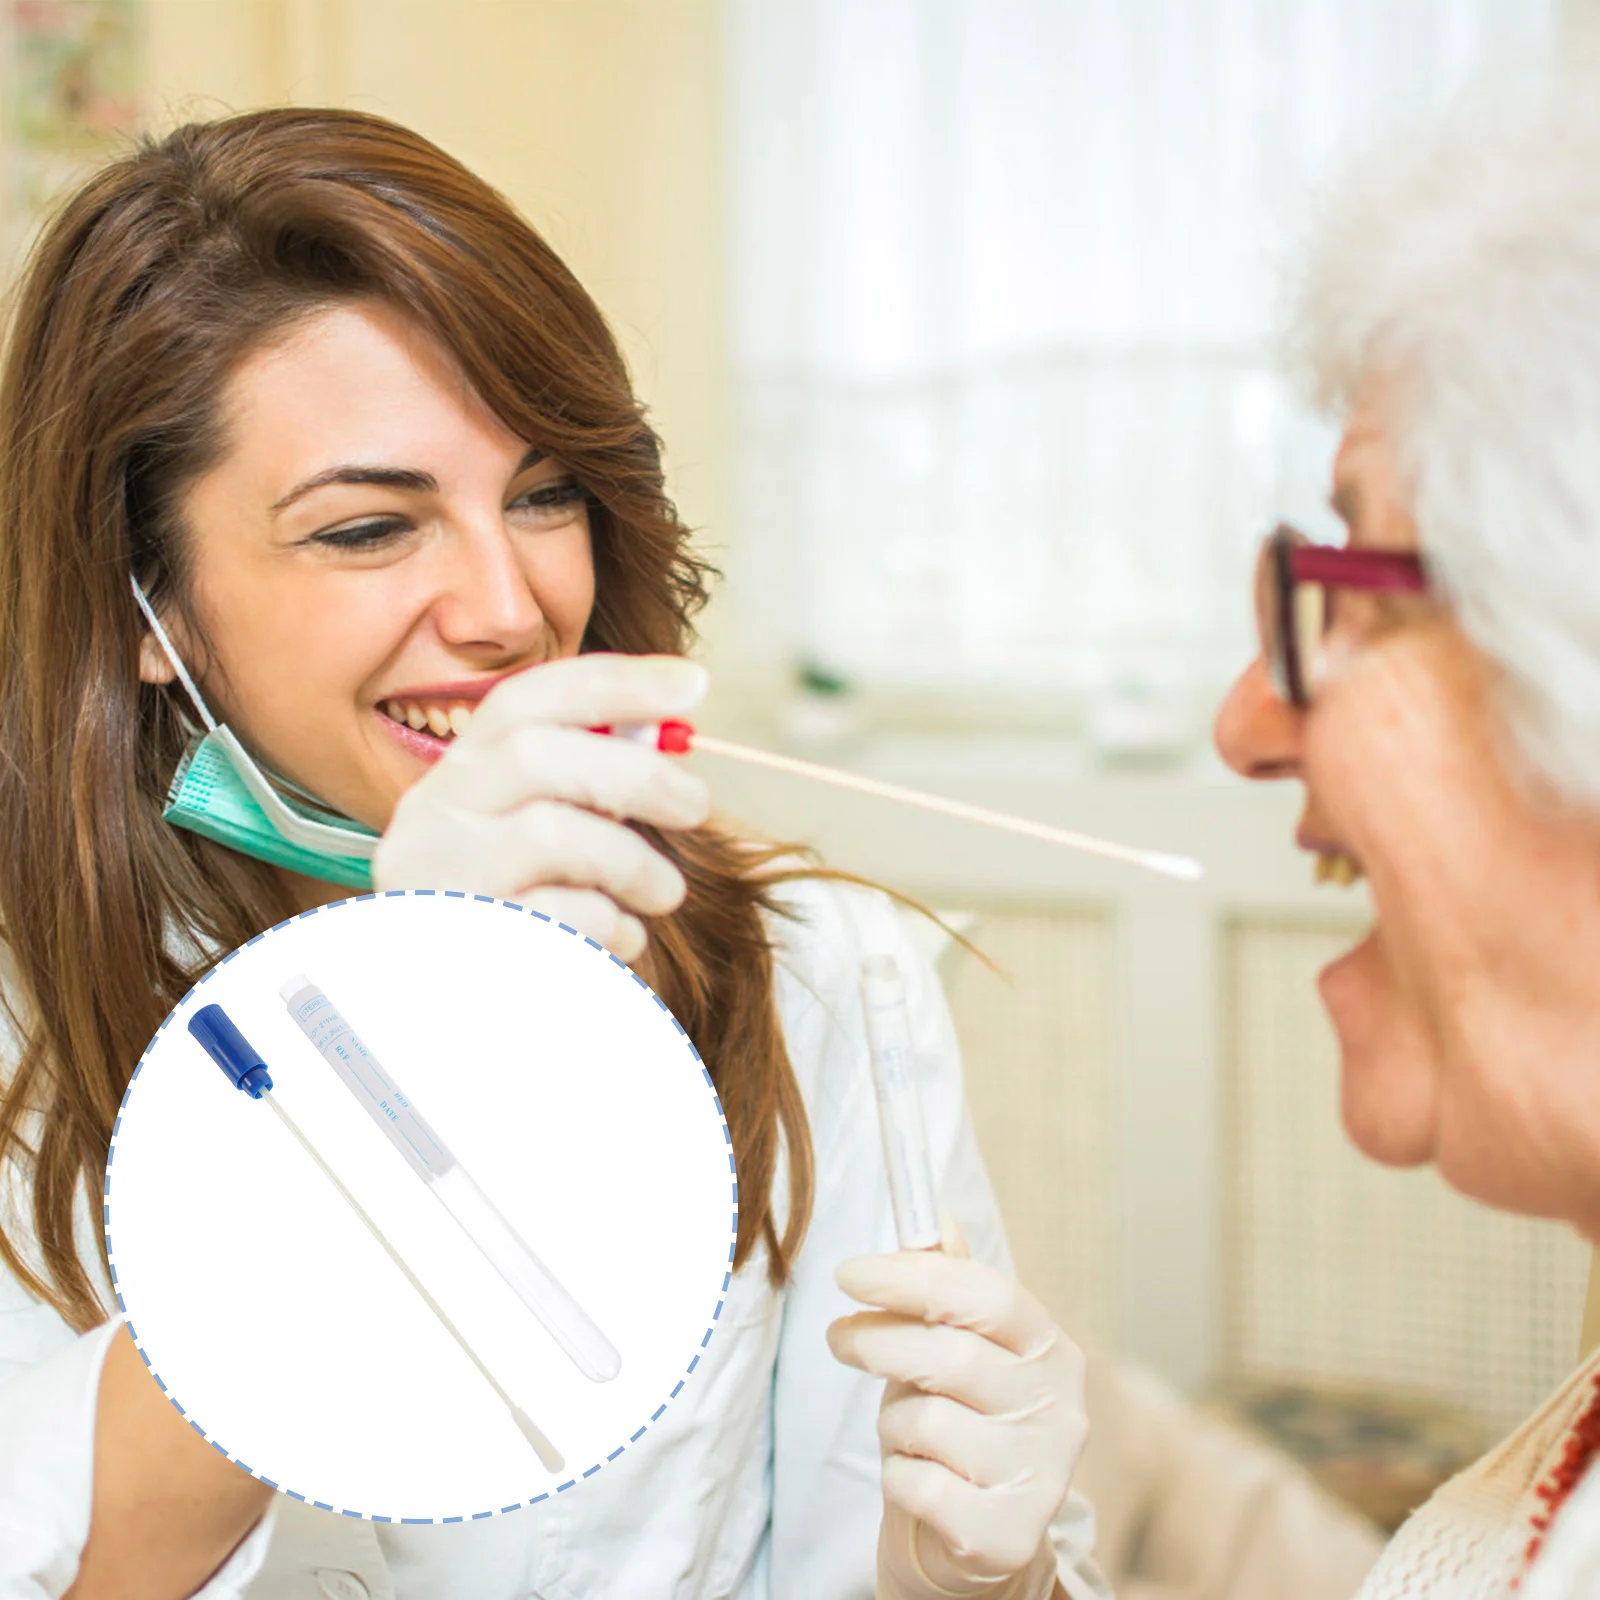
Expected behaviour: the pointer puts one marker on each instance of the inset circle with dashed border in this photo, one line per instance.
(305, 1066)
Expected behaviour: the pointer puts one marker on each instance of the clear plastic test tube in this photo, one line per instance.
(382, 1099)
(912, 1190)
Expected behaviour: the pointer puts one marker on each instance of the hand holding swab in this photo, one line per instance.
(679, 738)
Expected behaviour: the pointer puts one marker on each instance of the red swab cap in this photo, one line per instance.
(670, 738)
(675, 738)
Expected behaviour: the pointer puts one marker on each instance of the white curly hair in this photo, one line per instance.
(1461, 269)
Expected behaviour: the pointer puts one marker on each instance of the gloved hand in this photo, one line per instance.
(525, 804)
(981, 1425)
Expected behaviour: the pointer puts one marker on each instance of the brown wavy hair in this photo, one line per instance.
(142, 296)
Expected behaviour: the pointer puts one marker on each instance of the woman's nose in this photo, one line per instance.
(1257, 734)
(487, 597)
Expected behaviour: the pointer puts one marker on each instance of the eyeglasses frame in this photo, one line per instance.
(1293, 560)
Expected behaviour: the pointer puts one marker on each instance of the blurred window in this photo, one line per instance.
(1002, 279)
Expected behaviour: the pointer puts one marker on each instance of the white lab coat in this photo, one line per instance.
(761, 1482)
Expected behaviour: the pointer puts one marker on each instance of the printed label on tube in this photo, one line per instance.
(912, 1190)
(382, 1099)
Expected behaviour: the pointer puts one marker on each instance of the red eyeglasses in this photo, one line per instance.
(1295, 585)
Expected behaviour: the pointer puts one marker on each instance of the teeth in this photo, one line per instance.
(444, 722)
(1337, 868)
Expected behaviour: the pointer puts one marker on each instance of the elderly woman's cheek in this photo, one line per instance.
(1398, 753)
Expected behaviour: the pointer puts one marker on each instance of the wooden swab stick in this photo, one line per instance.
(1154, 860)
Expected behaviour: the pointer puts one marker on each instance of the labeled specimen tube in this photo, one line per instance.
(912, 1190)
(425, 1153)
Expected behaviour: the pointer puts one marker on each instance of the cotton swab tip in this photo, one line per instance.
(550, 1458)
(1185, 867)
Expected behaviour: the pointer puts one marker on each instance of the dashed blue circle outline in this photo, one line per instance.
(576, 1478)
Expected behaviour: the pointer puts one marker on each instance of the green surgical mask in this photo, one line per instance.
(220, 792)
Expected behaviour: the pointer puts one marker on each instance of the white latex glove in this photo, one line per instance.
(525, 804)
(981, 1425)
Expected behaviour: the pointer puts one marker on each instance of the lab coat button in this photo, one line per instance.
(339, 1585)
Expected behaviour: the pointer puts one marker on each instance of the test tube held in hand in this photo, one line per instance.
(425, 1153)
(912, 1190)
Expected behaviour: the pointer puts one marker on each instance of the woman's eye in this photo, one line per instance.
(552, 502)
(362, 535)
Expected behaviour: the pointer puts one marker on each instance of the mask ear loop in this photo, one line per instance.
(173, 659)
(299, 830)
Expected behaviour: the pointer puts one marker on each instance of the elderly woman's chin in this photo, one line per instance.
(1387, 1068)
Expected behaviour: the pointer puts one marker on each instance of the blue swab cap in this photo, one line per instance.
(231, 1051)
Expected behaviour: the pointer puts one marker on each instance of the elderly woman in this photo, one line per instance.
(1435, 688)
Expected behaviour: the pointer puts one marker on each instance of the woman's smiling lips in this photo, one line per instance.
(425, 746)
(425, 720)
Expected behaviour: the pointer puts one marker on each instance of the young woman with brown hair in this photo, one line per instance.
(370, 453)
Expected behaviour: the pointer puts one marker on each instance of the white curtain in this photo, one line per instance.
(1002, 279)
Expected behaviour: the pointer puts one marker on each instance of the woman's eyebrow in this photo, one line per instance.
(408, 478)
(382, 477)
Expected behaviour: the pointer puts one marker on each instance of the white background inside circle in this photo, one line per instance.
(276, 1320)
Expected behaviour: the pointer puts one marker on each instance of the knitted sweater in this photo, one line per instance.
(1470, 1541)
